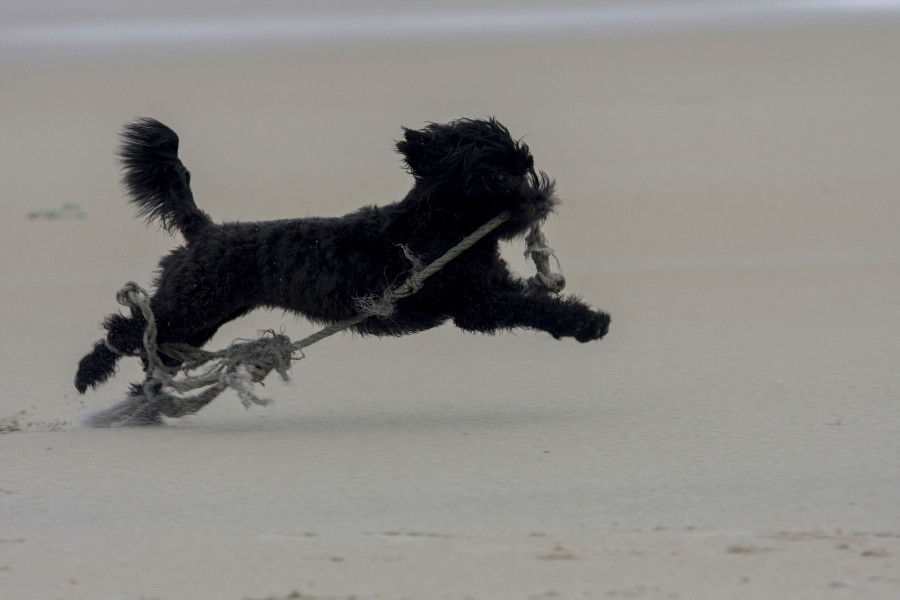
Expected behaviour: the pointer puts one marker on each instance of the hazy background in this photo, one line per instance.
(729, 176)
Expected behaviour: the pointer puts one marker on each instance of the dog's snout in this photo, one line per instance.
(539, 189)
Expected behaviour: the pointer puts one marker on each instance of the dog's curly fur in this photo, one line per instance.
(466, 172)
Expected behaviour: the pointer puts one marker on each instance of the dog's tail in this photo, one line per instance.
(157, 181)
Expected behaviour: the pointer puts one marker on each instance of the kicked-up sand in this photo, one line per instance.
(730, 196)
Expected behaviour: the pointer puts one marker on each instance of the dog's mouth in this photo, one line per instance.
(535, 201)
(542, 191)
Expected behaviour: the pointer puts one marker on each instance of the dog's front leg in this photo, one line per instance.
(560, 316)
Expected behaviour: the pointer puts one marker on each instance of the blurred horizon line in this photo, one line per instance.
(320, 28)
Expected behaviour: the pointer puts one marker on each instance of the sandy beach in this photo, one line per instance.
(730, 196)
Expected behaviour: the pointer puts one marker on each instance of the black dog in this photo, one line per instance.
(466, 172)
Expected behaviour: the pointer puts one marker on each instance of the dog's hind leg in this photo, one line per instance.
(145, 403)
(124, 336)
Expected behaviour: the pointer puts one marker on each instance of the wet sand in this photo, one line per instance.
(731, 199)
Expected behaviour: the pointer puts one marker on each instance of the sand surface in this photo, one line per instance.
(731, 198)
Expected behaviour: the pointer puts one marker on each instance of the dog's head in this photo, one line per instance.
(469, 171)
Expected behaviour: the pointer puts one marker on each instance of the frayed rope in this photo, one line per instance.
(540, 253)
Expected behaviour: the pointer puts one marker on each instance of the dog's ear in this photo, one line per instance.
(461, 151)
(417, 148)
(439, 151)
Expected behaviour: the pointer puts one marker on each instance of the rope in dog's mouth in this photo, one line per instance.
(246, 362)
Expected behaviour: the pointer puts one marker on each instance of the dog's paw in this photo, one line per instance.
(595, 329)
(95, 368)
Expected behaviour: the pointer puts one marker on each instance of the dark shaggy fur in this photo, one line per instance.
(466, 172)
